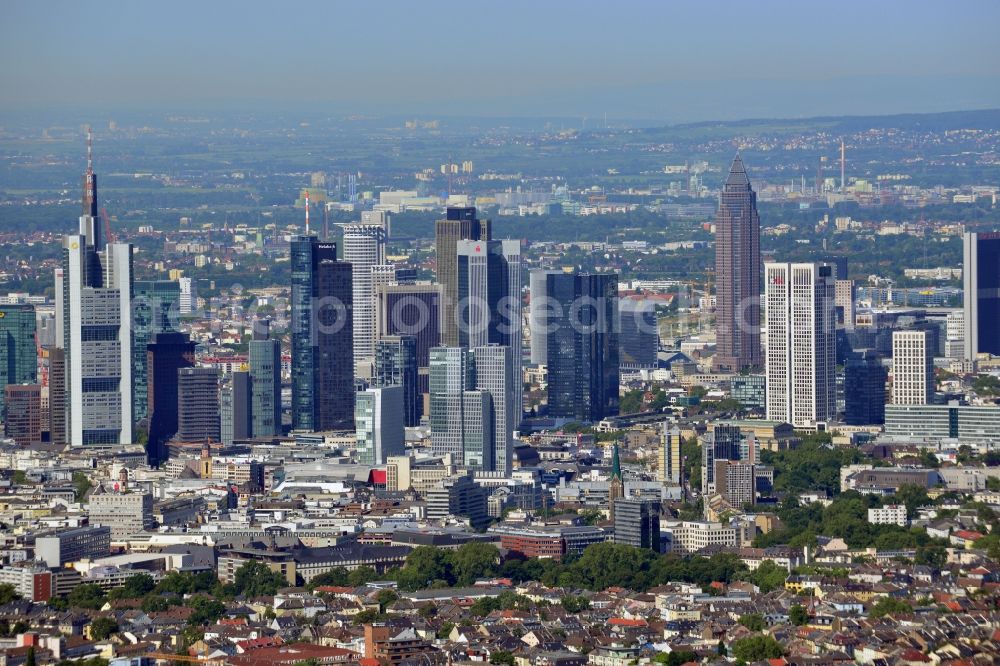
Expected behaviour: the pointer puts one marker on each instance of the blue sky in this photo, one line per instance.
(673, 61)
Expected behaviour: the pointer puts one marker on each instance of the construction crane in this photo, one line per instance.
(109, 237)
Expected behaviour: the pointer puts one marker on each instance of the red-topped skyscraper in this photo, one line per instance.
(737, 274)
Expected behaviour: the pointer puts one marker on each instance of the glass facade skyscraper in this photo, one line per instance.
(155, 308)
(322, 337)
(864, 388)
(265, 387)
(459, 224)
(582, 345)
(18, 355)
(396, 365)
(981, 278)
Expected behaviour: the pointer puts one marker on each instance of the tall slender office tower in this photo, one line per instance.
(671, 461)
(582, 346)
(494, 370)
(96, 312)
(412, 309)
(539, 314)
(166, 354)
(459, 224)
(396, 365)
(981, 282)
(364, 249)
(489, 303)
(198, 404)
(235, 399)
(265, 382)
(472, 407)
(155, 307)
(452, 375)
(322, 337)
(912, 367)
(737, 274)
(18, 355)
(801, 343)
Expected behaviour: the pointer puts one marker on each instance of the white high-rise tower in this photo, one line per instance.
(364, 248)
(95, 310)
(801, 343)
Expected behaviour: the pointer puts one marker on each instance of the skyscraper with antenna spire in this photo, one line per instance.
(95, 312)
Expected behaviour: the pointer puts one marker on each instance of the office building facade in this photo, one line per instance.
(981, 293)
(458, 224)
(198, 405)
(864, 388)
(322, 337)
(155, 309)
(378, 418)
(235, 400)
(166, 355)
(18, 353)
(637, 523)
(801, 343)
(638, 340)
(582, 342)
(737, 274)
(364, 249)
(265, 387)
(489, 303)
(396, 365)
(912, 367)
(671, 463)
(22, 417)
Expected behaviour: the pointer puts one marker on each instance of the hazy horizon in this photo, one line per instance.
(656, 62)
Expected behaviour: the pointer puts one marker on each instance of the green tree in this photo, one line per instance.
(753, 622)
(152, 603)
(336, 577)
(135, 586)
(424, 565)
(574, 604)
(102, 628)
(206, 611)
(768, 576)
(473, 560)
(798, 616)
(445, 630)
(888, 606)
(256, 579)
(8, 593)
(81, 485)
(502, 657)
(932, 555)
(30, 659)
(87, 596)
(913, 496)
(757, 648)
(676, 658)
(386, 597)
(361, 576)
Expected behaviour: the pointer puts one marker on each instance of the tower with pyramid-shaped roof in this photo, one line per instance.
(737, 274)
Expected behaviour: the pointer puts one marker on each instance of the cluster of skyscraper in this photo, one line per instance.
(803, 304)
